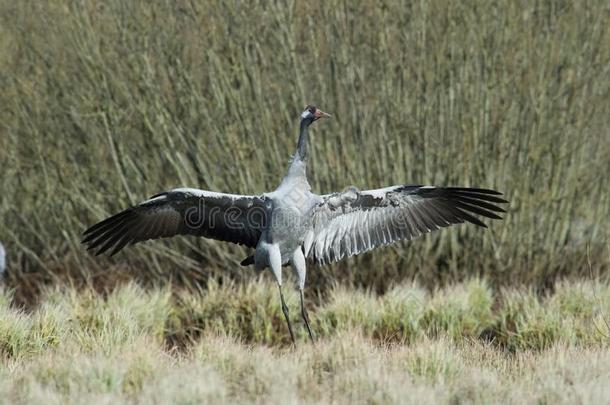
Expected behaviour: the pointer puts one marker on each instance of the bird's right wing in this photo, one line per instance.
(352, 222)
(184, 211)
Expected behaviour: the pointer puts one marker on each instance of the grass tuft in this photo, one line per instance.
(460, 343)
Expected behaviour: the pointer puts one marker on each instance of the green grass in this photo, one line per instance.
(106, 104)
(462, 343)
(512, 319)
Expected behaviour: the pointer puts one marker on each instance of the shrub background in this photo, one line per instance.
(105, 103)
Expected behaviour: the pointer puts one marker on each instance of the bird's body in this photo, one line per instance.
(290, 211)
(292, 224)
(2, 261)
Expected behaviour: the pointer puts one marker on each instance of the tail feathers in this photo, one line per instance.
(247, 261)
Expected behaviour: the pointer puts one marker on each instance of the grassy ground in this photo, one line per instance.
(104, 104)
(463, 343)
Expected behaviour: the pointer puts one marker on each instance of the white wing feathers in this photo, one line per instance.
(352, 222)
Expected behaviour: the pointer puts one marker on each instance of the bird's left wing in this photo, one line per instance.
(352, 222)
(184, 211)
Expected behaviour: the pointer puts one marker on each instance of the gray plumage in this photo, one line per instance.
(291, 223)
(2, 261)
(353, 222)
(182, 211)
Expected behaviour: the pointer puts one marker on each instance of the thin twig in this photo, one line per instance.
(599, 301)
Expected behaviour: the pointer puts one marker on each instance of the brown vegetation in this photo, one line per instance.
(104, 104)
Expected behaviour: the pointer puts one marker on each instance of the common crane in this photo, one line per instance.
(2, 262)
(291, 223)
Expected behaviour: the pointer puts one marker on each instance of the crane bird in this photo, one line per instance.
(2, 261)
(290, 224)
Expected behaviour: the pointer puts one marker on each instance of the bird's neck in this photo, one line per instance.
(303, 143)
(298, 166)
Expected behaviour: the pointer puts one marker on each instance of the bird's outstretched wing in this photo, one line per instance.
(352, 222)
(184, 211)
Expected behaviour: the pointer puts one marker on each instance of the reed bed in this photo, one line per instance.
(106, 103)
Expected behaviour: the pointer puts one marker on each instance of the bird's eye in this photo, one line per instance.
(312, 109)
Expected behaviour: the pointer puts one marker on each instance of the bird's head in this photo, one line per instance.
(312, 114)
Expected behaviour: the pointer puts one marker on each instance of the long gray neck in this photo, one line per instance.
(303, 144)
(298, 167)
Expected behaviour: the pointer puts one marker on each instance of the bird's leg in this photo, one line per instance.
(275, 262)
(300, 269)
(285, 310)
(305, 316)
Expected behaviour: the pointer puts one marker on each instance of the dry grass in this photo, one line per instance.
(106, 103)
(344, 369)
(407, 346)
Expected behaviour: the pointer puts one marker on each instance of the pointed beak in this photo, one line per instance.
(321, 114)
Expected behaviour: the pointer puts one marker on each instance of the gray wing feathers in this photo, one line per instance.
(346, 224)
(225, 217)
